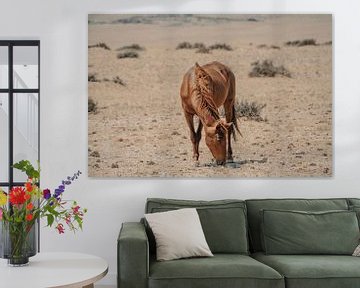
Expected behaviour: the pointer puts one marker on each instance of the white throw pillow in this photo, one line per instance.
(178, 234)
(357, 251)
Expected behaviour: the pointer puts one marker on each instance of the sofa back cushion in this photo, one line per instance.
(255, 206)
(298, 232)
(223, 222)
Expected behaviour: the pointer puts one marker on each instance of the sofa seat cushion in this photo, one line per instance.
(313, 271)
(222, 270)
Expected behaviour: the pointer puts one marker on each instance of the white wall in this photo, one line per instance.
(62, 28)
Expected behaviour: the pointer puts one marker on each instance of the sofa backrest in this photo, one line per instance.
(223, 221)
(256, 205)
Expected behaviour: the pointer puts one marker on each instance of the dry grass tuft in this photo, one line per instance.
(201, 47)
(250, 110)
(300, 43)
(266, 68)
(203, 50)
(92, 78)
(220, 46)
(128, 54)
(184, 45)
(100, 45)
(92, 106)
(136, 47)
(119, 81)
(198, 45)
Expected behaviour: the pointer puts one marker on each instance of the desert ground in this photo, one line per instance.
(137, 128)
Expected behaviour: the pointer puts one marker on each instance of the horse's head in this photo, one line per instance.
(215, 138)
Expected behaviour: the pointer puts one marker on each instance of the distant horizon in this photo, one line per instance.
(187, 18)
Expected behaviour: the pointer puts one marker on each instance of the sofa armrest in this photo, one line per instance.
(133, 256)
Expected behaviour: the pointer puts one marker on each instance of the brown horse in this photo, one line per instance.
(203, 90)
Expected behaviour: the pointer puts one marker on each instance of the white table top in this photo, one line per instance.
(45, 270)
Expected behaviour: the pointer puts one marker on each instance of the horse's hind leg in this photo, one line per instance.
(194, 136)
(228, 107)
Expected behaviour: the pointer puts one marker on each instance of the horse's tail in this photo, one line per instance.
(233, 118)
(235, 123)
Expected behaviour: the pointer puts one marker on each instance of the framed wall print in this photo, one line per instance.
(235, 95)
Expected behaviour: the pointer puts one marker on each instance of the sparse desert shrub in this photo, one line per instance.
(274, 47)
(299, 43)
(128, 54)
(184, 45)
(250, 110)
(327, 43)
(92, 106)
(100, 45)
(266, 68)
(119, 81)
(252, 19)
(220, 46)
(95, 154)
(201, 47)
(203, 50)
(132, 47)
(198, 45)
(92, 78)
(266, 46)
(261, 46)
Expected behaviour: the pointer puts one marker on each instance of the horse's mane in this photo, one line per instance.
(204, 95)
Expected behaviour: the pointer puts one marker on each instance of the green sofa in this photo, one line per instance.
(236, 234)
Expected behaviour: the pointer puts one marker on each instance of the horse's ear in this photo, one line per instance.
(223, 124)
(228, 125)
(199, 71)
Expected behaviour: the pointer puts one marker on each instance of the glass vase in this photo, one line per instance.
(18, 242)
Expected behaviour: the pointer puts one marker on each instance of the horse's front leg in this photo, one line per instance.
(194, 136)
(229, 149)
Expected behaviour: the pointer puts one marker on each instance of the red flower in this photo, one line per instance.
(27, 196)
(29, 217)
(68, 219)
(29, 206)
(75, 209)
(60, 228)
(28, 186)
(17, 196)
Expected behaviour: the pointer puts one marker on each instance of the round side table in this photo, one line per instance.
(50, 270)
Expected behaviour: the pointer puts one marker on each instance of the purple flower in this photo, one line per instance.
(46, 194)
(58, 192)
(68, 181)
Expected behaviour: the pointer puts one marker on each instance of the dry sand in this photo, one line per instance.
(139, 129)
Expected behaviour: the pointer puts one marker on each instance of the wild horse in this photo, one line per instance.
(203, 90)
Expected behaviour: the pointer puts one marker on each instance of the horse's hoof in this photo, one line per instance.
(196, 163)
(230, 159)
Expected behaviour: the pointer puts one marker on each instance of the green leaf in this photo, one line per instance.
(28, 168)
(50, 219)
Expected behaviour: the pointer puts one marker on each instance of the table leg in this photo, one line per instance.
(89, 286)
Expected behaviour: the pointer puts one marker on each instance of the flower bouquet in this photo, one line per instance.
(21, 208)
